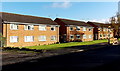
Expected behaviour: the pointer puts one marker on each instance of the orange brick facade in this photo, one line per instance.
(101, 30)
(81, 33)
(65, 31)
(20, 32)
(104, 33)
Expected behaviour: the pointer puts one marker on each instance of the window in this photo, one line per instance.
(90, 36)
(42, 38)
(29, 27)
(52, 28)
(84, 37)
(84, 28)
(53, 38)
(100, 35)
(71, 36)
(13, 26)
(90, 29)
(78, 36)
(42, 27)
(111, 35)
(13, 38)
(78, 28)
(71, 28)
(100, 29)
(28, 38)
(104, 29)
(104, 35)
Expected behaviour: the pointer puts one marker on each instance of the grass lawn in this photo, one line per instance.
(64, 45)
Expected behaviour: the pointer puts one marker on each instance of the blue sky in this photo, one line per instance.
(96, 11)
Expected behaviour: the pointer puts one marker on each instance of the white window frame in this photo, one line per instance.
(53, 39)
(77, 29)
(53, 27)
(90, 36)
(42, 38)
(13, 39)
(14, 26)
(84, 29)
(72, 28)
(42, 27)
(26, 27)
(104, 29)
(84, 37)
(90, 29)
(77, 37)
(71, 35)
(28, 38)
(101, 35)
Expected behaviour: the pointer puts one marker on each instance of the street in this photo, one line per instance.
(106, 58)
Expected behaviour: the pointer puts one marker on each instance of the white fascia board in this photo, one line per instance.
(80, 26)
(30, 23)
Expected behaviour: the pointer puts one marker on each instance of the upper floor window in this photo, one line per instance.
(13, 38)
(29, 27)
(28, 38)
(100, 29)
(13, 26)
(42, 27)
(104, 29)
(52, 28)
(71, 28)
(84, 28)
(77, 28)
(90, 29)
(78, 36)
(42, 38)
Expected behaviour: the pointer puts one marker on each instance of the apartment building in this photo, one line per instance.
(72, 30)
(26, 30)
(101, 30)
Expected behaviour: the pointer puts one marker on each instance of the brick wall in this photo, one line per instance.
(81, 33)
(36, 33)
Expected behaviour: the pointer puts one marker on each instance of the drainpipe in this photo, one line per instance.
(58, 34)
(6, 34)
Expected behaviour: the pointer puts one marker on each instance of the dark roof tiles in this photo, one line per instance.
(10, 17)
(73, 22)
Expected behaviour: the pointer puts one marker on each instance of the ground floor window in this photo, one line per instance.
(84, 37)
(53, 38)
(90, 36)
(42, 38)
(71, 36)
(13, 38)
(28, 38)
(104, 35)
(78, 36)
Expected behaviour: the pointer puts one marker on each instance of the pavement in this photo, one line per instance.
(106, 58)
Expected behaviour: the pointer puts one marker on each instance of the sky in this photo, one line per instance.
(83, 11)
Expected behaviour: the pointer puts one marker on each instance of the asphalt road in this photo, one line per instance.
(101, 59)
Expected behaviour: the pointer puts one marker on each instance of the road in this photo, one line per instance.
(107, 59)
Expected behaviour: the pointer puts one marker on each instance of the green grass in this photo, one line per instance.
(64, 45)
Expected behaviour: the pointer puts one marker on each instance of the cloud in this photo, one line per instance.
(101, 20)
(64, 4)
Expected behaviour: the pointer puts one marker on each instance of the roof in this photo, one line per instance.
(73, 22)
(100, 24)
(11, 17)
